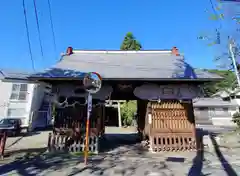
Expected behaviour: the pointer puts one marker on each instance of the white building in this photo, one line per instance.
(215, 111)
(22, 99)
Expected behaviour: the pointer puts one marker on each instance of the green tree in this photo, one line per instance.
(236, 118)
(127, 112)
(129, 108)
(218, 39)
(229, 82)
(130, 43)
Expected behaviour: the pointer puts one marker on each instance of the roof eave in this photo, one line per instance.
(132, 79)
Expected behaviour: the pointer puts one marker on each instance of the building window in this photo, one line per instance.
(19, 92)
(225, 109)
(203, 108)
(16, 112)
(226, 99)
(219, 112)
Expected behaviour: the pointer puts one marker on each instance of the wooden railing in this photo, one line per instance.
(172, 142)
(72, 143)
(70, 127)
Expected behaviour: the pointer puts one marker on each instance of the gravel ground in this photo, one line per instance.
(127, 159)
(120, 164)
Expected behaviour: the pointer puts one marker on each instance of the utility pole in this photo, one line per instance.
(231, 43)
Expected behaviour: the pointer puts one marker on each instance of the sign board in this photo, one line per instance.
(149, 118)
(89, 102)
(155, 92)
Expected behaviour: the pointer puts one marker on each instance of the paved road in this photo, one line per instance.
(215, 129)
(33, 140)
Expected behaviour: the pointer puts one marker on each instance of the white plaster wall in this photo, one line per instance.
(26, 104)
(36, 102)
(237, 101)
(225, 121)
(5, 92)
(37, 96)
(5, 102)
(32, 103)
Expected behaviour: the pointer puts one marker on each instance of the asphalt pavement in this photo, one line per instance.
(215, 129)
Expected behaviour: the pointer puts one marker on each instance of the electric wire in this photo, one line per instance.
(38, 28)
(52, 27)
(27, 31)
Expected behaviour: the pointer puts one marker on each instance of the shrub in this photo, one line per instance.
(127, 112)
(236, 118)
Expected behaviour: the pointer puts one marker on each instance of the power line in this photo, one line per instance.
(28, 37)
(38, 28)
(51, 21)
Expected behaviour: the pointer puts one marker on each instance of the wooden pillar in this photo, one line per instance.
(119, 115)
(103, 119)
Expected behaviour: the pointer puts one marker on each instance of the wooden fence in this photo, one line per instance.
(172, 126)
(60, 142)
(70, 127)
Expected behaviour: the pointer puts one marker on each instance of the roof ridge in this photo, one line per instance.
(122, 51)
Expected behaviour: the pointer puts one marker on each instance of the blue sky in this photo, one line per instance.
(93, 24)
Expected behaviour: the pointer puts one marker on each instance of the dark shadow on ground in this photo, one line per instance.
(197, 166)
(36, 160)
(129, 141)
(175, 159)
(226, 166)
(25, 152)
(48, 128)
(32, 165)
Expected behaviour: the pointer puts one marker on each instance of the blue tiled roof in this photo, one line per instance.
(120, 65)
(14, 74)
(58, 73)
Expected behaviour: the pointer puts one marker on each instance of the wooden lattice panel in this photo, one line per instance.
(75, 119)
(173, 142)
(172, 127)
(170, 116)
(58, 142)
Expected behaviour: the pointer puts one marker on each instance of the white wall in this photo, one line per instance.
(225, 121)
(215, 117)
(37, 99)
(5, 92)
(32, 102)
